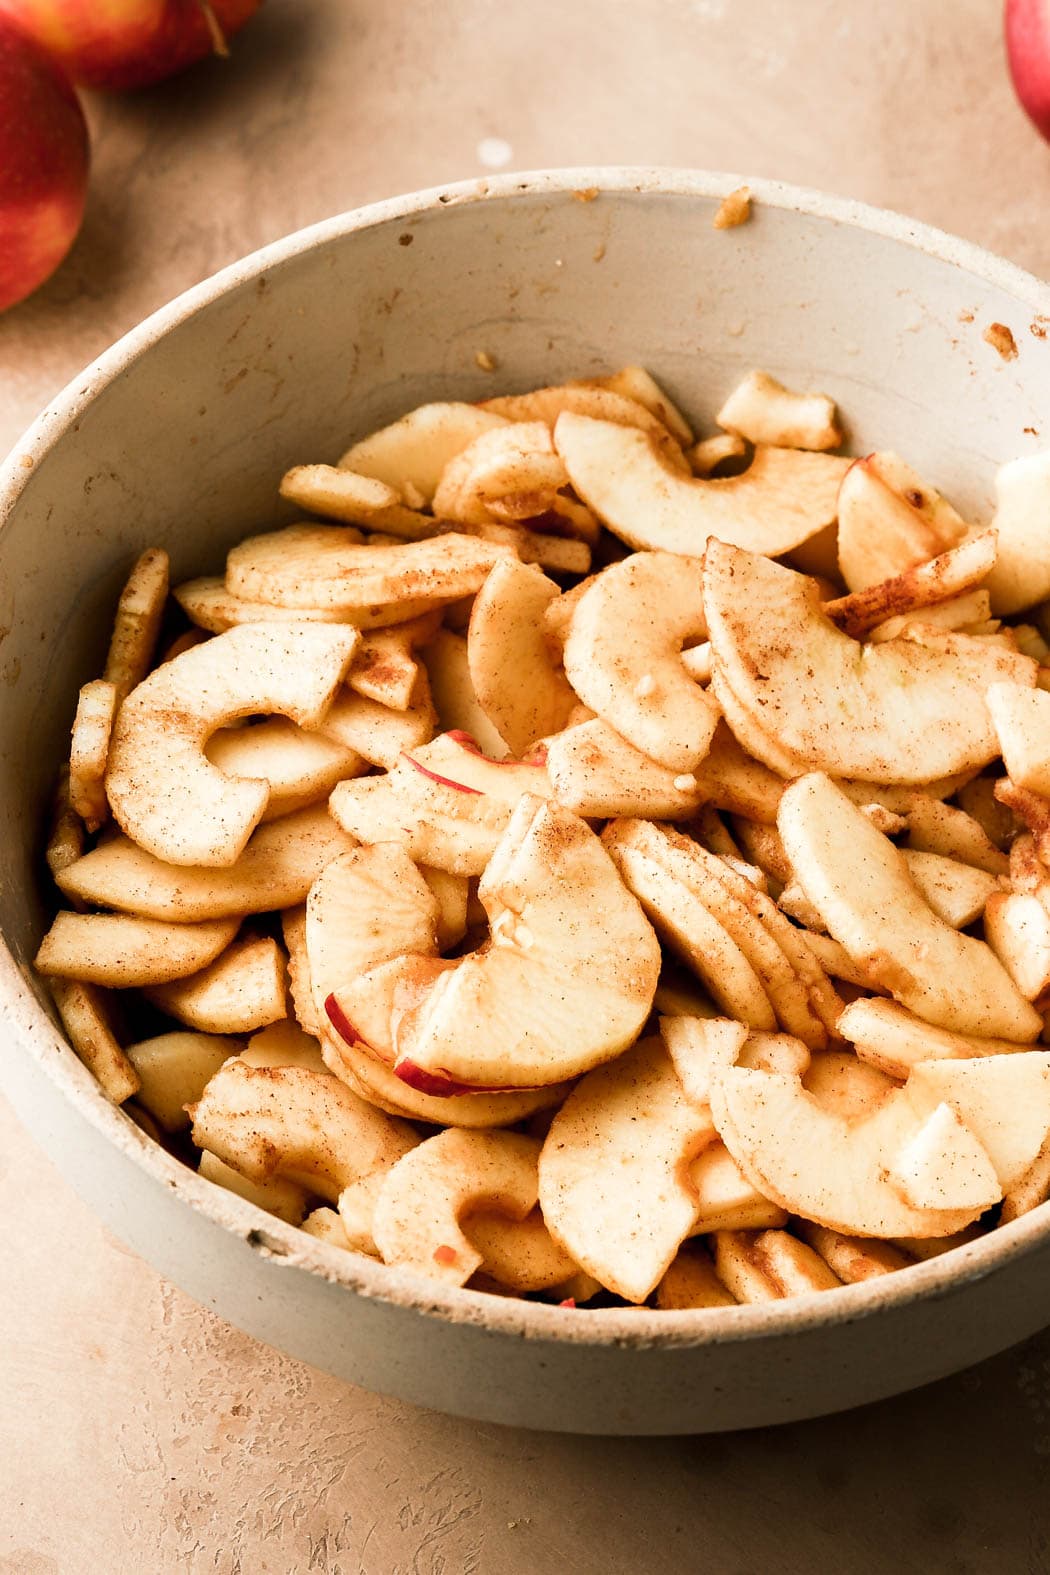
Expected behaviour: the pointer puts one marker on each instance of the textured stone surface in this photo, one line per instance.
(140, 1433)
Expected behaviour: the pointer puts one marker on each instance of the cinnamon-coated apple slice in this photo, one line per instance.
(691, 1281)
(1022, 722)
(890, 520)
(164, 791)
(566, 979)
(598, 774)
(423, 1203)
(123, 950)
(1021, 577)
(300, 767)
(860, 885)
(512, 472)
(284, 1044)
(520, 1254)
(770, 1266)
(211, 606)
(762, 410)
(924, 586)
(447, 662)
(385, 666)
(87, 1020)
(521, 690)
(174, 1070)
(1003, 1100)
(725, 1199)
(783, 498)
(133, 643)
(342, 494)
(897, 712)
(614, 1184)
(243, 989)
(623, 656)
(888, 1037)
(600, 403)
(376, 732)
(411, 454)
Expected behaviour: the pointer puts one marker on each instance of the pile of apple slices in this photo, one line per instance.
(519, 872)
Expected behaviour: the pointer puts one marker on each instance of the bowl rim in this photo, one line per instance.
(934, 1279)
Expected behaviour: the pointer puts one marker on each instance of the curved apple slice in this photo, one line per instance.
(600, 404)
(1003, 1100)
(324, 566)
(853, 1258)
(342, 494)
(277, 868)
(520, 1254)
(639, 384)
(211, 606)
(283, 1199)
(283, 1044)
(896, 712)
(411, 454)
(122, 950)
(725, 1199)
(598, 774)
(243, 989)
(87, 1020)
(860, 885)
(782, 499)
(164, 791)
(815, 1163)
(623, 656)
(448, 664)
(174, 1070)
(691, 1281)
(931, 585)
(306, 1127)
(890, 520)
(376, 732)
(522, 692)
(887, 1037)
(300, 767)
(510, 473)
(566, 979)
(1021, 576)
(614, 1183)
(418, 1216)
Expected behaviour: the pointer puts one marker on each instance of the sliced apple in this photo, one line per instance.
(520, 1254)
(342, 494)
(783, 498)
(509, 473)
(623, 656)
(706, 456)
(770, 1266)
(1003, 1100)
(762, 410)
(853, 1258)
(122, 950)
(924, 585)
(325, 1225)
(726, 1200)
(65, 835)
(843, 1084)
(411, 454)
(437, 822)
(137, 624)
(598, 401)
(889, 1037)
(635, 382)
(861, 886)
(699, 1048)
(306, 1127)
(519, 688)
(814, 1163)
(375, 732)
(613, 1172)
(385, 667)
(164, 791)
(958, 612)
(1021, 577)
(281, 1198)
(419, 1214)
(89, 751)
(890, 520)
(1022, 721)
(211, 606)
(691, 1282)
(448, 664)
(731, 780)
(243, 989)
(944, 1166)
(277, 868)
(301, 768)
(323, 566)
(283, 1044)
(1017, 928)
(86, 1018)
(897, 712)
(595, 772)
(552, 550)
(173, 1070)
(1032, 1189)
(543, 1000)
(934, 827)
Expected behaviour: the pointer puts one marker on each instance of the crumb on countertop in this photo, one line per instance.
(734, 209)
(1002, 340)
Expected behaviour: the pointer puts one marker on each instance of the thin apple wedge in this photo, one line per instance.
(277, 868)
(122, 950)
(243, 989)
(1021, 577)
(342, 494)
(1017, 928)
(1003, 1100)
(613, 1172)
(890, 520)
(691, 1282)
(89, 751)
(762, 410)
(816, 1164)
(934, 827)
(412, 453)
(520, 689)
(700, 1048)
(854, 1259)
(212, 607)
(922, 586)
(447, 660)
(844, 1085)
(283, 1199)
(509, 473)
(623, 656)
(322, 566)
(165, 792)
(1022, 722)
(730, 779)
(137, 624)
(896, 712)
(639, 384)
(376, 733)
(783, 498)
(598, 774)
(385, 666)
(305, 1127)
(87, 1020)
(301, 768)
(958, 612)
(174, 1070)
(944, 1166)
(769, 1266)
(421, 1208)
(726, 1200)
(887, 1036)
(600, 403)
(860, 885)
(520, 1254)
(567, 977)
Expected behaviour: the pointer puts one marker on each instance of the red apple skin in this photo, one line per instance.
(425, 771)
(44, 159)
(1026, 24)
(120, 44)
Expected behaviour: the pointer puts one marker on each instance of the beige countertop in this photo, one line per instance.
(140, 1433)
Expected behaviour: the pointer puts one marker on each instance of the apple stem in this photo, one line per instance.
(218, 37)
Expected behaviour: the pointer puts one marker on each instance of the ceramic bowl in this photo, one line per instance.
(178, 436)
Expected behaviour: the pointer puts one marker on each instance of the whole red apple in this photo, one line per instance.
(1026, 24)
(129, 43)
(43, 165)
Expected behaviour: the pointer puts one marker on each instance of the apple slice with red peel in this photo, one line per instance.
(437, 822)
(455, 759)
(567, 977)
(890, 520)
(782, 499)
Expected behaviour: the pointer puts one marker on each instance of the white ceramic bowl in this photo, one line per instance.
(178, 436)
